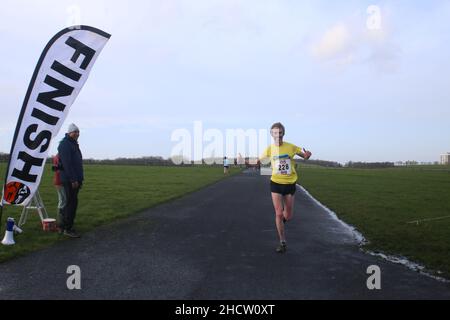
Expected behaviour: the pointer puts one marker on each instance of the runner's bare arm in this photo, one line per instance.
(264, 158)
(305, 154)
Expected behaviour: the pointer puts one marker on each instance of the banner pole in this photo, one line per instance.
(1, 206)
(1, 215)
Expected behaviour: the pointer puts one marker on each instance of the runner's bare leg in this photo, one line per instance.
(288, 206)
(277, 200)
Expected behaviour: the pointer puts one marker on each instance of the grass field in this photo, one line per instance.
(378, 202)
(110, 193)
(381, 202)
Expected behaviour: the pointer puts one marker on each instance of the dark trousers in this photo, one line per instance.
(70, 210)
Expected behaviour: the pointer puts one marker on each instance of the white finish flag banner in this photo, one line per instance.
(61, 72)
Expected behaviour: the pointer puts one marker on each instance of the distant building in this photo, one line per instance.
(445, 158)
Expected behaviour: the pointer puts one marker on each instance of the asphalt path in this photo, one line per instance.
(216, 243)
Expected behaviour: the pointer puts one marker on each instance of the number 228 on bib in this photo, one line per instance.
(283, 166)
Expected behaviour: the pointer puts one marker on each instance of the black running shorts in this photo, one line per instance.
(283, 189)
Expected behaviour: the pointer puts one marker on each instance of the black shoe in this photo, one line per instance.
(71, 234)
(282, 247)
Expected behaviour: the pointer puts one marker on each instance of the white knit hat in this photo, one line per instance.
(72, 128)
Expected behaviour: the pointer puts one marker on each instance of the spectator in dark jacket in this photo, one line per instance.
(72, 177)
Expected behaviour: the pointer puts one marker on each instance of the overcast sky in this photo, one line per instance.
(347, 84)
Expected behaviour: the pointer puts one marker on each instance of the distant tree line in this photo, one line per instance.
(4, 157)
(369, 165)
(160, 161)
(143, 161)
(148, 161)
(322, 163)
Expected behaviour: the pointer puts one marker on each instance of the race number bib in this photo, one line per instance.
(283, 166)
